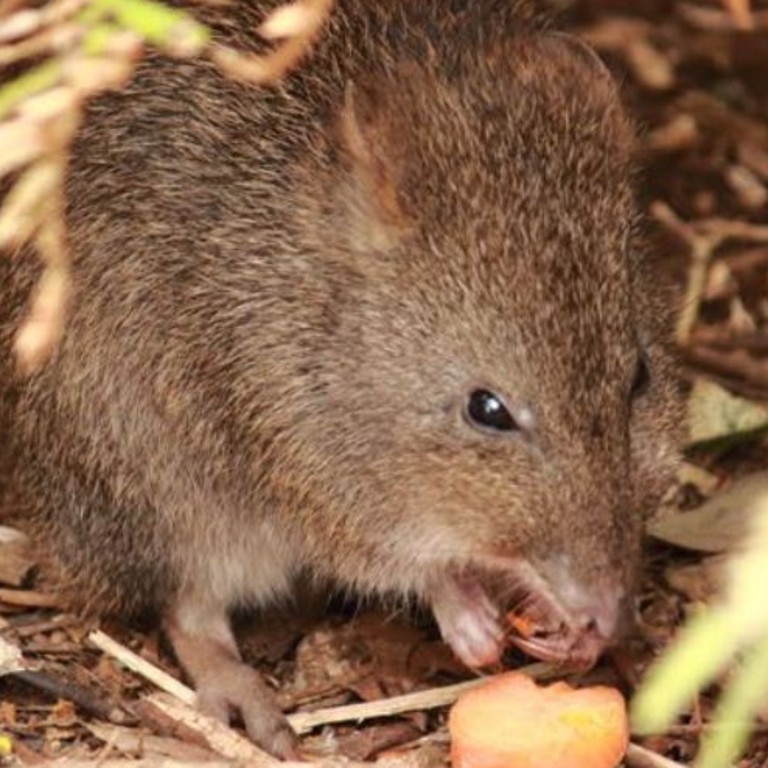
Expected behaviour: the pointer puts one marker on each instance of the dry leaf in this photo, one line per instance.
(714, 413)
(292, 20)
(720, 523)
(10, 658)
(705, 482)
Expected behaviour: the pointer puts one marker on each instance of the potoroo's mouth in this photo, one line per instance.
(568, 626)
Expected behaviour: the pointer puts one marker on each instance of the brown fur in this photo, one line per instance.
(284, 297)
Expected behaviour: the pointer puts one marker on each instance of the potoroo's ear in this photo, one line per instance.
(375, 163)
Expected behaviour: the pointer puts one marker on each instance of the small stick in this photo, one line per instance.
(166, 762)
(144, 762)
(138, 741)
(723, 344)
(302, 722)
(28, 598)
(703, 238)
(218, 736)
(142, 667)
(700, 250)
(737, 363)
(736, 386)
(41, 626)
(12, 663)
(640, 757)
(720, 230)
(77, 694)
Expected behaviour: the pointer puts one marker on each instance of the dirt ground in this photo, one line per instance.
(696, 77)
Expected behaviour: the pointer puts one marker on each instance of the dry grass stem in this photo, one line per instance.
(21, 145)
(27, 22)
(9, 6)
(731, 19)
(23, 212)
(306, 17)
(58, 38)
(90, 76)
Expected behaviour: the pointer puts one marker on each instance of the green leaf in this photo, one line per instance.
(741, 699)
(36, 80)
(734, 632)
(97, 39)
(702, 650)
(166, 27)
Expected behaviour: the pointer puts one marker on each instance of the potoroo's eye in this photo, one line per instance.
(486, 410)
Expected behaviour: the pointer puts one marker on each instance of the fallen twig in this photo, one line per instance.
(733, 363)
(640, 757)
(137, 741)
(141, 667)
(12, 663)
(60, 688)
(28, 598)
(149, 762)
(302, 722)
(703, 238)
(737, 16)
(172, 714)
(296, 25)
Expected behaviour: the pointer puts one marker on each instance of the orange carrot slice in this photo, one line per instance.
(511, 722)
(521, 624)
